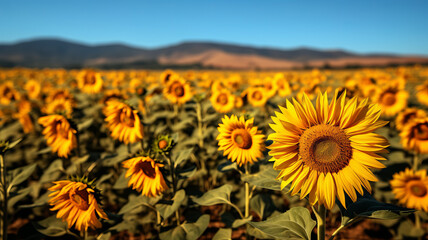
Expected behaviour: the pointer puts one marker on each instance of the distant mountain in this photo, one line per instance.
(59, 53)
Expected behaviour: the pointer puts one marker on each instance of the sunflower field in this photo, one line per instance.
(133, 154)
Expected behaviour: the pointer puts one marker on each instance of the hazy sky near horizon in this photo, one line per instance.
(365, 26)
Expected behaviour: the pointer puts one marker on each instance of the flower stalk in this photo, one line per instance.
(320, 214)
(5, 197)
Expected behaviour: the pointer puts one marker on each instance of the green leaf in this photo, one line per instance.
(21, 174)
(263, 205)
(176, 233)
(166, 210)
(216, 196)
(137, 201)
(266, 178)
(16, 197)
(51, 226)
(103, 178)
(41, 201)
(13, 144)
(104, 236)
(53, 171)
(85, 124)
(120, 154)
(210, 117)
(257, 233)
(223, 234)
(409, 230)
(181, 156)
(227, 166)
(239, 222)
(195, 230)
(368, 207)
(121, 182)
(295, 223)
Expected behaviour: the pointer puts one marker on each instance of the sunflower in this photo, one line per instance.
(162, 144)
(240, 140)
(123, 122)
(257, 96)
(146, 176)
(391, 100)
(222, 100)
(408, 115)
(178, 91)
(77, 204)
(167, 76)
(90, 81)
(60, 94)
(282, 85)
(33, 88)
(113, 94)
(59, 106)
(422, 93)
(60, 136)
(414, 135)
(411, 188)
(8, 93)
(23, 115)
(270, 87)
(327, 150)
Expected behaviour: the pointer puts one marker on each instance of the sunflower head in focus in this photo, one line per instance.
(33, 88)
(411, 188)
(59, 134)
(414, 136)
(90, 81)
(327, 150)
(240, 140)
(422, 93)
(123, 122)
(257, 96)
(222, 100)
(77, 203)
(162, 144)
(391, 99)
(145, 176)
(178, 91)
(407, 116)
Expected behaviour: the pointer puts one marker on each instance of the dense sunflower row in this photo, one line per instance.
(164, 132)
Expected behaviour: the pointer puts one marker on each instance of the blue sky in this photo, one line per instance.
(363, 26)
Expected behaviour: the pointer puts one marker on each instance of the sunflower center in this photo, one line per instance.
(257, 95)
(147, 169)
(388, 98)
(80, 198)
(90, 78)
(242, 138)
(222, 99)
(127, 120)
(167, 77)
(421, 132)
(417, 188)
(325, 148)
(61, 129)
(162, 144)
(177, 89)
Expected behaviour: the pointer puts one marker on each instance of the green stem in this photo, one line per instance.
(320, 215)
(336, 232)
(4, 184)
(417, 221)
(199, 114)
(247, 193)
(415, 161)
(174, 187)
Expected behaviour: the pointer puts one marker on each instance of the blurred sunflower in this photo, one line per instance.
(23, 115)
(270, 87)
(414, 135)
(77, 204)
(59, 106)
(411, 188)
(283, 85)
(391, 100)
(90, 81)
(8, 93)
(240, 140)
(408, 115)
(33, 88)
(222, 100)
(327, 150)
(168, 75)
(113, 94)
(123, 122)
(178, 91)
(59, 134)
(238, 102)
(55, 94)
(257, 96)
(146, 176)
(422, 93)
